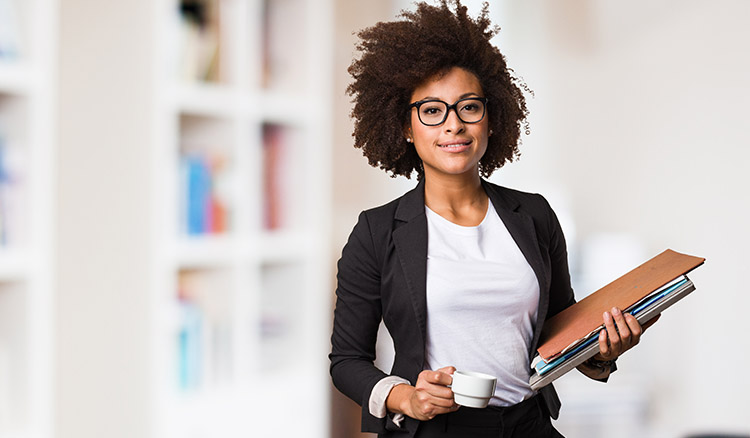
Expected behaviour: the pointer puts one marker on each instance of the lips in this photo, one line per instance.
(455, 144)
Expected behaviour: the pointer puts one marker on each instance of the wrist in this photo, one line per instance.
(398, 399)
(605, 367)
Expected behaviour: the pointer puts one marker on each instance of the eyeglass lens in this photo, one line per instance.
(434, 112)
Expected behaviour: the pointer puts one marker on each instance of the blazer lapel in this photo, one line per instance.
(521, 227)
(410, 240)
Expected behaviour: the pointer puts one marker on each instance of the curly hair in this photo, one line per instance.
(398, 56)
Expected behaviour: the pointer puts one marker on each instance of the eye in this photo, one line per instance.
(432, 109)
(470, 107)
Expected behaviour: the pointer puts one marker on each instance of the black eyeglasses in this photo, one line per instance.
(433, 112)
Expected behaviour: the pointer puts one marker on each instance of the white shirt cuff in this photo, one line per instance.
(380, 393)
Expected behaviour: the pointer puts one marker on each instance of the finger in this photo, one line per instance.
(612, 336)
(635, 328)
(623, 329)
(445, 404)
(603, 344)
(434, 384)
(448, 370)
(441, 376)
(428, 399)
(432, 403)
(426, 407)
(440, 392)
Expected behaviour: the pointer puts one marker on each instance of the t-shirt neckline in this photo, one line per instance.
(431, 214)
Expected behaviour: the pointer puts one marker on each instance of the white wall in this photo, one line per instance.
(103, 252)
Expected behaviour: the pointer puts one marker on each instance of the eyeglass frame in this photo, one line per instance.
(453, 107)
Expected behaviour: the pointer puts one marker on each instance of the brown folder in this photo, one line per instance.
(580, 319)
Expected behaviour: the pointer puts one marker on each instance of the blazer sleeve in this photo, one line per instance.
(356, 319)
(561, 293)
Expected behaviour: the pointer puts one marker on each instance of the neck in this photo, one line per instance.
(461, 200)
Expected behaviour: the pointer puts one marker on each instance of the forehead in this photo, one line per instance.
(449, 85)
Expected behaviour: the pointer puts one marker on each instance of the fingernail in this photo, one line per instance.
(615, 311)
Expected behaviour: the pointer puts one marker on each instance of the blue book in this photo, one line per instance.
(198, 181)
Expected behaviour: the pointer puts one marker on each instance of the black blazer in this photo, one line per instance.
(382, 274)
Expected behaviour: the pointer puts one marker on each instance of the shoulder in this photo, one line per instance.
(404, 208)
(382, 213)
(374, 230)
(531, 203)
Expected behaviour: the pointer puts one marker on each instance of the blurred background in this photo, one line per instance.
(177, 181)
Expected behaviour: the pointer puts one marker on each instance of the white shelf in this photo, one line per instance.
(27, 102)
(206, 99)
(15, 78)
(259, 293)
(204, 252)
(285, 109)
(209, 251)
(286, 246)
(15, 265)
(217, 100)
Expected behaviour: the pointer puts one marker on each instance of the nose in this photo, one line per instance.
(453, 123)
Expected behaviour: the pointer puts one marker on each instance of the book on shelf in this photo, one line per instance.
(200, 41)
(275, 160)
(283, 48)
(204, 333)
(571, 337)
(205, 210)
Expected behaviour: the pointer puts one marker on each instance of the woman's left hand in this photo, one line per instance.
(621, 333)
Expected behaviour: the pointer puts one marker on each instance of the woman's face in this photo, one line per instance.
(454, 147)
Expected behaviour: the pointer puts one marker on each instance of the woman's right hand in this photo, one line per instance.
(431, 395)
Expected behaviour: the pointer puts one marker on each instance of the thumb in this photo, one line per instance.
(448, 370)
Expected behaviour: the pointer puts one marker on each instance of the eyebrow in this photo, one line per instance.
(463, 96)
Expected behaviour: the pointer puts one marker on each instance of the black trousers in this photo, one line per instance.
(528, 419)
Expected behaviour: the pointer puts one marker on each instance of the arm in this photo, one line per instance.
(561, 294)
(356, 319)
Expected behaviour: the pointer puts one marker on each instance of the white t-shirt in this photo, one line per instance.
(482, 299)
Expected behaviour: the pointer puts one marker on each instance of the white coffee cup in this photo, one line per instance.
(473, 389)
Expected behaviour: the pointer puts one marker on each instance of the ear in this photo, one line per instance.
(408, 134)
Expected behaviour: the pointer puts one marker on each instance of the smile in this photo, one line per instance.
(455, 144)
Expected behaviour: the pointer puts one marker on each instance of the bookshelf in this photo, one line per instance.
(27, 99)
(242, 165)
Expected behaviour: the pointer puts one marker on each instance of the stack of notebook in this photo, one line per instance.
(571, 337)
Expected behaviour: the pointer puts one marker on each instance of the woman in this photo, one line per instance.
(463, 272)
